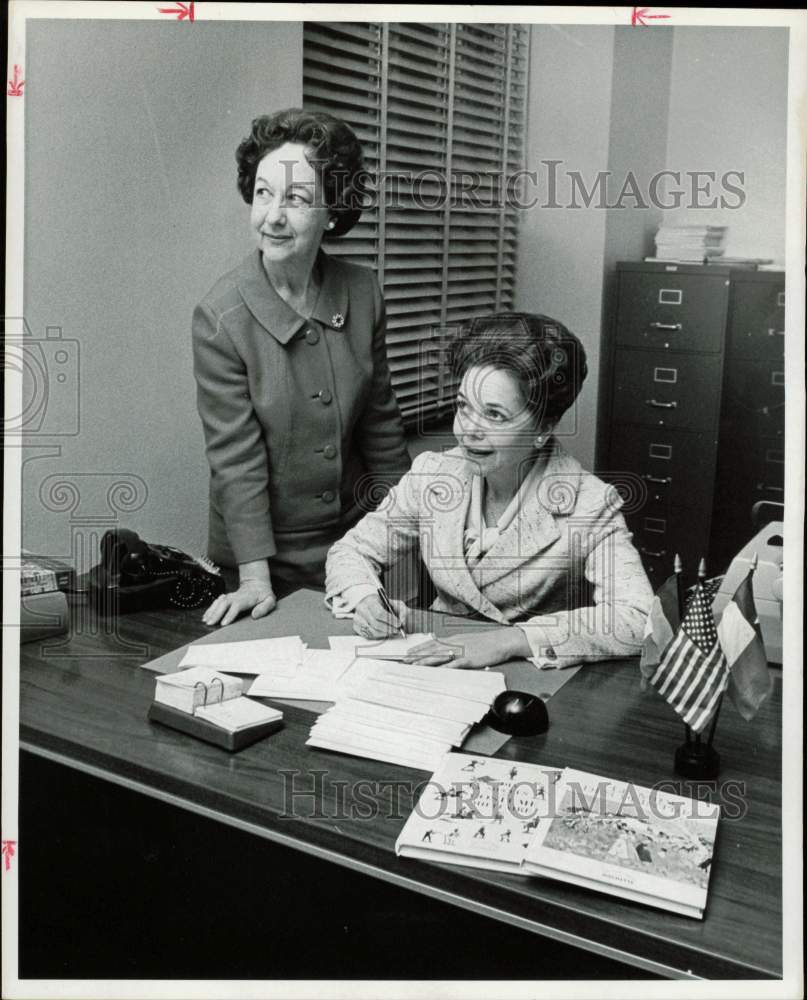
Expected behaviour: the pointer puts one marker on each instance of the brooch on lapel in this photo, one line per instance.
(338, 321)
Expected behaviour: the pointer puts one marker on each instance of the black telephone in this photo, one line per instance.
(135, 576)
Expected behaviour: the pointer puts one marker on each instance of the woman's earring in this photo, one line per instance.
(539, 441)
(332, 223)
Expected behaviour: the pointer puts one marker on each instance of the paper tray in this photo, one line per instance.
(204, 730)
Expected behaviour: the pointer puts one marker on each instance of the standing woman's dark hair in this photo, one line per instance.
(302, 429)
(332, 149)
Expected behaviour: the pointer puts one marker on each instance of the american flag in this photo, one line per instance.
(693, 672)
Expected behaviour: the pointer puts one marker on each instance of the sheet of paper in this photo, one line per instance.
(281, 656)
(316, 679)
(199, 675)
(381, 649)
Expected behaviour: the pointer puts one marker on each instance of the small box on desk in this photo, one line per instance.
(203, 730)
(210, 705)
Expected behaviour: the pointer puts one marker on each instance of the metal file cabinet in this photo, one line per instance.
(692, 408)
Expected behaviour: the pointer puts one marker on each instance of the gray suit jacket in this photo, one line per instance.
(301, 425)
(564, 568)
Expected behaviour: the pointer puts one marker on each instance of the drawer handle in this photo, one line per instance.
(661, 406)
(775, 333)
(661, 480)
(650, 552)
(667, 326)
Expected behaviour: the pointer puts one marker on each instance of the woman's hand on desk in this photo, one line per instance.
(255, 595)
(473, 650)
(372, 621)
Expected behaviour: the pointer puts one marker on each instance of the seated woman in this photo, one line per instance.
(510, 527)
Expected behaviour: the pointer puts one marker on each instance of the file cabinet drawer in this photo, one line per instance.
(672, 312)
(681, 392)
(757, 324)
(754, 399)
(752, 470)
(659, 537)
(675, 467)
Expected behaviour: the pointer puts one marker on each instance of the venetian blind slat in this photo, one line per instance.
(447, 251)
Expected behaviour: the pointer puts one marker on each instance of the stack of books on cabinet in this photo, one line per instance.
(692, 244)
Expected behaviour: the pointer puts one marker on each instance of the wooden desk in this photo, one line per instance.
(83, 704)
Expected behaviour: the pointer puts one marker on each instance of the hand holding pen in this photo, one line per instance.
(377, 614)
(372, 619)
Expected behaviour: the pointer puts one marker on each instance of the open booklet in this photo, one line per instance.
(615, 837)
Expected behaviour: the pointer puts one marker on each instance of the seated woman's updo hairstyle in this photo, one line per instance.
(547, 359)
(332, 149)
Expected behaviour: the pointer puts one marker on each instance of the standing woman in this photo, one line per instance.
(302, 430)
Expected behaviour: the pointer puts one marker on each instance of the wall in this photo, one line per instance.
(131, 214)
(638, 140)
(561, 251)
(728, 110)
(622, 99)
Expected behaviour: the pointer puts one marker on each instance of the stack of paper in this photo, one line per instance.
(689, 243)
(403, 713)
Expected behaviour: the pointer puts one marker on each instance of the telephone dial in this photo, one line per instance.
(134, 576)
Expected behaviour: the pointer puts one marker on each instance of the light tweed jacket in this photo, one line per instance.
(564, 568)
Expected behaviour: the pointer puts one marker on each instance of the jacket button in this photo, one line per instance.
(311, 336)
(325, 397)
(328, 496)
(329, 451)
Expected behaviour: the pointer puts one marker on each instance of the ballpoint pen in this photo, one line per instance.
(382, 596)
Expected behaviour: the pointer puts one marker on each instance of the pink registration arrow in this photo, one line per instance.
(641, 15)
(182, 11)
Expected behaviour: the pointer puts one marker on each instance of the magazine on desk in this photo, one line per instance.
(614, 837)
(478, 811)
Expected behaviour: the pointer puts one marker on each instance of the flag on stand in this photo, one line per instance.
(692, 672)
(662, 624)
(750, 681)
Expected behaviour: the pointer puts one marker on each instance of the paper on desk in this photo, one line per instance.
(476, 685)
(317, 678)
(393, 719)
(238, 713)
(281, 656)
(378, 743)
(379, 649)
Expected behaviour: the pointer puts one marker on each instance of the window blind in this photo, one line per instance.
(440, 111)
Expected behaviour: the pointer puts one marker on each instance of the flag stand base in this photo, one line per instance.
(697, 761)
